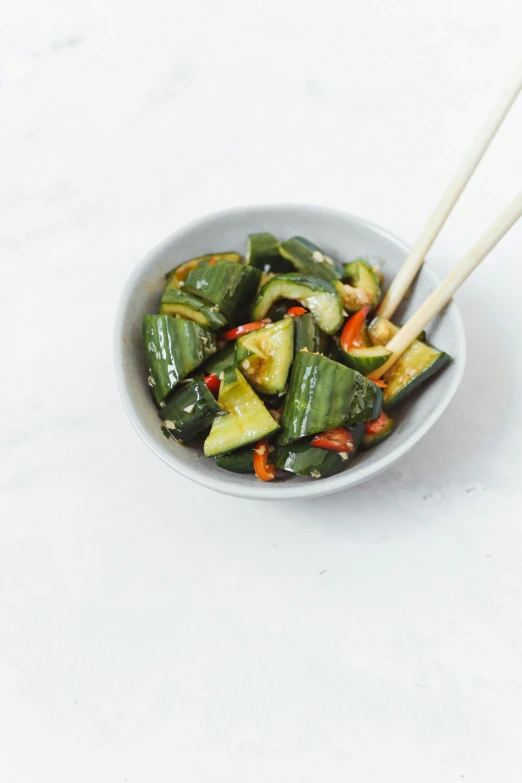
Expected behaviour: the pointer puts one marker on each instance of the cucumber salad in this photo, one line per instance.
(264, 360)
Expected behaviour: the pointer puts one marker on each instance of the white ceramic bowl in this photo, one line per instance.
(340, 235)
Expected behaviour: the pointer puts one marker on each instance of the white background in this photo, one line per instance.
(151, 630)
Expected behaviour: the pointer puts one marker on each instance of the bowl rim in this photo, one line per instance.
(283, 491)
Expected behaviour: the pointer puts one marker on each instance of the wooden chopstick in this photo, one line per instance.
(443, 293)
(414, 261)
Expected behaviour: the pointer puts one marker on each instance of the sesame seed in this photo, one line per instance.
(246, 364)
(318, 256)
(181, 283)
(260, 450)
(344, 454)
(151, 381)
(170, 425)
(266, 269)
(190, 408)
(315, 474)
(221, 375)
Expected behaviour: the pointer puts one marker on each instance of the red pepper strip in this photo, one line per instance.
(239, 330)
(380, 383)
(262, 469)
(296, 311)
(351, 334)
(338, 439)
(212, 383)
(212, 261)
(375, 426)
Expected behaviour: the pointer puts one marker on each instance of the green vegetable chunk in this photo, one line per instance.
(191, 409)
(237, 461)
(317, 295)
(248, 421)
(177, 276)
(224, 284)
(418, 363)
(174, 347)
(177, 302)
(222, 359)
(265, 355)
(263, 253)
(324, 394)
(372, 439)
(307, 259)
(306, 460)
(360, 286)
(308, 335)
(364, 360)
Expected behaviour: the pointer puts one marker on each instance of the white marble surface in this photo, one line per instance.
(151, 630)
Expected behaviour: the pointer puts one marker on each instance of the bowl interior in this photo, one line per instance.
(341, 236)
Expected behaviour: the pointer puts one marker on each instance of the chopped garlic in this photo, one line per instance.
(315, 474)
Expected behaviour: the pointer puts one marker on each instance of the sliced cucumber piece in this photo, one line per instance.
(222, 359)
(265, 356)
(177, 302)
(263, 253)
(371, 439)
(225, 284)
(248, 421)
(323, 394)
(315, 294)
(360, 286)
(307, 259)
(191, 409)
(381, 331)
(418, 363)
(174, 348)
(364, 360)
(178, 275)
(306, 460)
(237, 461)
(308, 335)
(415, 366)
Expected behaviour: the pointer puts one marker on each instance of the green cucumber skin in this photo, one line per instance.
(359, 273)
(300, 253)
(302, 458)
(248, 420)
(263, 251)
(270, 352)
(335, 265)
(237, 461)
(373, 439)
(440, 363)
(225, 284)
(175, 296)
(222, 359)
(363, 364)
(188, 425)
(308, 335)
(323, 394)
(308, 286)
(174, 347)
